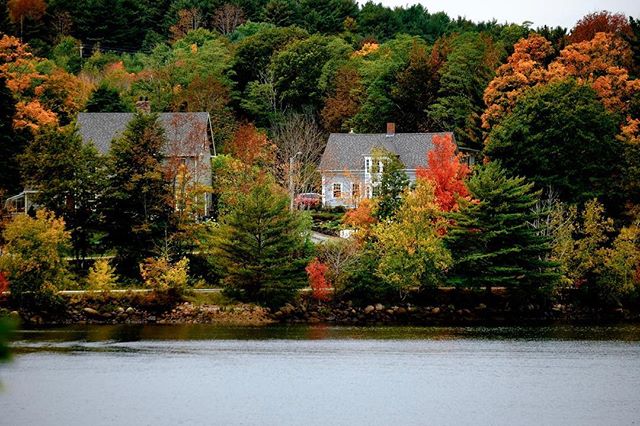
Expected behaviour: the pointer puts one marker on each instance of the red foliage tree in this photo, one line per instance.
(600, 22)
(446, 171)
(4, 284)
(320, 287)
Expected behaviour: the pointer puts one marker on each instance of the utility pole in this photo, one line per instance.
(291, 188)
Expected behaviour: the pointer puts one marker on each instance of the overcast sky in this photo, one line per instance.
(541, 12)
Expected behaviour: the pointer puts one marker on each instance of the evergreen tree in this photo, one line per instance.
(106, 99)
(68, 175)
(136, 201)
(263, 247)
(492, 240)
(393, 182)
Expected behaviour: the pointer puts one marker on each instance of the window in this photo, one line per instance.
(367, 165)
(337, 190)
(355, 190)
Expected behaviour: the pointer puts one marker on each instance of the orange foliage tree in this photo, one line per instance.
(599, 22)
(251, 146)
(447, 172)
(361, 217)
(345, 102)
(21, 9)
(45, 92)
(320, 286)
(602, 63)
(525, 68)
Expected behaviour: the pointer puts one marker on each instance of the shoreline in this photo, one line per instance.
(122, 312)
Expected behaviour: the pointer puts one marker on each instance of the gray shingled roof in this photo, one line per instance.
(346, 151)
(187, 133)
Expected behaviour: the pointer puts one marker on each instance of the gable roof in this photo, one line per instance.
(346, 151)
(187, 133)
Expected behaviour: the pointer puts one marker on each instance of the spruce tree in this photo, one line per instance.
(137, 199)
(263, 247)
(492, 239)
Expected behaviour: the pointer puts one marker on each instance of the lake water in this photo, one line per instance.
(190, 375)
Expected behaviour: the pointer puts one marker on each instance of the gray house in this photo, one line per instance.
(189, 141)
(347, 165)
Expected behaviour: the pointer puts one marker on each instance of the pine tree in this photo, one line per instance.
(263, 247)
(492, 239)
(136, 200)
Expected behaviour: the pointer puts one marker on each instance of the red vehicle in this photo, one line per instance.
(308, 200)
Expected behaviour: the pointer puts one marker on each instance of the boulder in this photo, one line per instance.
(369, 309)
(91, 312)
(130, 310)
(379, 307)
(435, 311)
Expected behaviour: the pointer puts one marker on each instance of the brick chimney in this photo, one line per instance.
(143, 105)
(391, 130)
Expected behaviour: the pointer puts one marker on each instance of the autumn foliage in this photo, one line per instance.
(320, 286)
(4, 283)
(251, 146)
(362, 216)
(599, 22)
(447, 171)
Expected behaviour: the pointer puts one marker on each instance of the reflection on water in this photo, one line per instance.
(324, 375)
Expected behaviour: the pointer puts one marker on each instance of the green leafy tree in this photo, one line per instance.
(106, 99)
(136, 200)
(463, 78)
(11, 143)
(263, 247)
(33, 259)
(68, 174)
(392, 183)
(560, 136)
(492, 240)
(325, 16)
(410, 247)
(298, 69)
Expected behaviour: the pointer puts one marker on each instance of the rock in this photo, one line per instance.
(369, 309)
(152, 318)
(14, 315)
(120, 310)
(435, 311)
(91, 312)
(379, 307)
(401, 311)
(481, 307)
(130, 310)
(107, 316)
(314, 320)
(36, 319)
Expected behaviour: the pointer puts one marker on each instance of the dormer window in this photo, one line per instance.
(370, 166)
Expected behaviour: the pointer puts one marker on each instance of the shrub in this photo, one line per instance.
(102, 277)
(320, 286)
(33, 259)
(164, 277)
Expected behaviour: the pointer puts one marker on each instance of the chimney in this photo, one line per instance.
(143, 105)
(391, 130)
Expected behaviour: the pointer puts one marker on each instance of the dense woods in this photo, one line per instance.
(554, 207)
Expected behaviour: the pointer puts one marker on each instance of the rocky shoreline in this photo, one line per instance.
(344, 313)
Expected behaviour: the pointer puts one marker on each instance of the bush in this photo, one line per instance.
(33, 260)
(101, 277)
(164, 277)
(320, 287)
